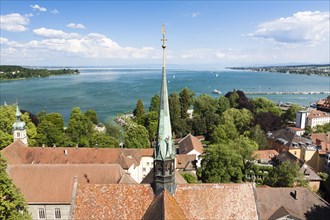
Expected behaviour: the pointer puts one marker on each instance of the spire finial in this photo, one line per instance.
(163, 39)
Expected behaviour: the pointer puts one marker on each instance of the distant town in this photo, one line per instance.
(313, 69)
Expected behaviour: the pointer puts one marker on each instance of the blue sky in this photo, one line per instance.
(200, 33)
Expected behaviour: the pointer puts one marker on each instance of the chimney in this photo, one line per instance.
(65, 152)
(54, 145)
(294, 194)
(43, 145)
(77, 146)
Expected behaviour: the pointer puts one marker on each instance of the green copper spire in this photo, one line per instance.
(164, 158)
(165, 148)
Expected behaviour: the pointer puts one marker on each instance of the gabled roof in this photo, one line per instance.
(190, 201)
(18, 153)
(323, 140)
(288, 138)
(164, 206)
(217, 201)
(317, 114)
(112, 201)
(270, 200)
(44, 183)
(185, 161)
(282, 212)
(190, 143)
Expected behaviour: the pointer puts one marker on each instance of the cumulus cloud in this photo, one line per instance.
(59, 43)
(77, 26)
(14, 22)
(303, 27)
(38, 8)
(54, 11)
(195, 14)
(51, 33)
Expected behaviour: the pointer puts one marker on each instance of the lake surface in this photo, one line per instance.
(112, 91)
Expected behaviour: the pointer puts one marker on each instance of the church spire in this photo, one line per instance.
(19, 129)
(164, 156)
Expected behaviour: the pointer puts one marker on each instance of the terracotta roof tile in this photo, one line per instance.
(317, 114)
(44, 183)
(185, 161)
(150, 178)
(217, 201)
(112, 201)
(265, 154)
(190, 143)
(164, 206)
(270, 200)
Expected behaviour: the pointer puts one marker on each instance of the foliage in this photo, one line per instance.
(233, 98)
(259, 136)
(114, 131)
(78, 128)
(260, 105)
(290, 114)
(324, 176)
(221, 164)
(136, 136)
(268, 121)
(139, 109)
(223, 105)
(257, 173)
(154, 103)
(189, 177)
(12, 204)
(283, 175)
(103, 141)
(150, 122)
(91, 115)
(18, 72)
(31, 130)
(186, 99)
(308, 130)
(323, 128)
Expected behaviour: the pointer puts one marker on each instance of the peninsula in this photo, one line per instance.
(322, 69)
(11, 72)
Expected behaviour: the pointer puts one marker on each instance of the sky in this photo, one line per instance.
(200, 33)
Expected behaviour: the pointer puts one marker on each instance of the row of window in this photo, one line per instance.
(43, 216)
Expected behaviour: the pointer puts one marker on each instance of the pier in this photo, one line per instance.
(286, 93)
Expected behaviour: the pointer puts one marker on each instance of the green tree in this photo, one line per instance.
(186, 99)
(284, 175)
(7, 118)
(41, 115)
(259, 136)
(91, 115)
(260, 105)
(290, 114)
(241, 118)
(154, 103)
(233, 98)
(114, 131)
(150, 122)
(56, 119)
(31, 130)
(189, 177)
(223, 105)
(136, 136)
(12, 204)
(139, 110)
(79, 128)
(221, 164)
(103, 140)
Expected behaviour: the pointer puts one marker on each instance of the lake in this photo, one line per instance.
(113, 91)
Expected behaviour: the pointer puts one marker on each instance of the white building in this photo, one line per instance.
(317, 117)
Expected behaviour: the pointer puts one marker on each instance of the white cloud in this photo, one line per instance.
(51, 33)
(302, 28)
(54, 11)
(14, 22)
(58, 45)
(38, 8)
(77, 26)
(195, 14)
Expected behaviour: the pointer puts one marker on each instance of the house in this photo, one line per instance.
(322, 140)
(317, 117)
(192, 146)
(136, 162)
(48, 189)
(290, 203)
(304, 168)
(323, 105)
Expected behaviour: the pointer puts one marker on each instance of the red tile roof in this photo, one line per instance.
(190, 143)
(112, 201)
(317, 114)
(44, 183)
(185, 161)
(18, 153)
(191, 201)
(164, 206)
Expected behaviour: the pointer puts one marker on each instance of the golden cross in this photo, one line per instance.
(163, 33)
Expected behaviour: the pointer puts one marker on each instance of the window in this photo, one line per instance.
(42, 213)
(58, 213)
(144, 169)
(18, 134)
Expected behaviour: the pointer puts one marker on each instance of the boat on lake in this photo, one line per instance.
(217, 92)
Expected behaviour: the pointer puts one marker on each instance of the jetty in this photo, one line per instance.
(286, 93)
